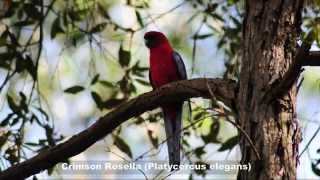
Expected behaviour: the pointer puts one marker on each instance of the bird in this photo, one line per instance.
(166, 65)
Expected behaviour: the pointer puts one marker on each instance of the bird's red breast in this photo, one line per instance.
(162, 66)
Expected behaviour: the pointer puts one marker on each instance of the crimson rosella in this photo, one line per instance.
(167, 66)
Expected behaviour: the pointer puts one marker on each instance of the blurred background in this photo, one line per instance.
(66, 63)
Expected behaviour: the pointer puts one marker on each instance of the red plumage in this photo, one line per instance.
(162, 66)
(167, 66)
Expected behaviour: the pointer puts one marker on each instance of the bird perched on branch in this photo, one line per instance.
(167, 66)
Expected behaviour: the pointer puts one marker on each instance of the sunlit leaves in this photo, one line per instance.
(21, 114)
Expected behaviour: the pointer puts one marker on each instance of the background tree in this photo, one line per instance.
(84, 50)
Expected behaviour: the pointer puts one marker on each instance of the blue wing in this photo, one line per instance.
(180, 65)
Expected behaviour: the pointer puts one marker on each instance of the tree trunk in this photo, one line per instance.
(270, 32)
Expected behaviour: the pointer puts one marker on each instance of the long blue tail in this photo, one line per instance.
(173, 124)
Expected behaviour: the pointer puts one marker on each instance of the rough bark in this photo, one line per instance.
(270, 34)
(223, 90)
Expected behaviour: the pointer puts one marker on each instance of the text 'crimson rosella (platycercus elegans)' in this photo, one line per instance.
(167, 66)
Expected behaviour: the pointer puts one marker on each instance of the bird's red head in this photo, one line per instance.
(154, 39)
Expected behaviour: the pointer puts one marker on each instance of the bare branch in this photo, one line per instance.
(224, 90)
(312, 59)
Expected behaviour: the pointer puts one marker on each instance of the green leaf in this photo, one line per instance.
(6, 56)
(124, 57)
(122, 145)
(15, 121)
(201, 171)
(49, 135)
(315, 169)
(13, 106)
(97, 99)
(6, 120)
(23, 102)
(143, 82)
(232, 2)
(32, 11)
(139, 120)
(95, 79)
(154, 140)
(75, 15)
(106, 83)
(193, 17)
(30, 67)
(43, 113)
(31, 144)
(216, 17)
(212, 137)
(35, 118)
(23, 23)
(56, 28)
(137, 68)
(202, 36)
(5, 65)
(199, 151)
(139, 18)
(74, 89)
(211, 7)
(98, 28)
(4, 138)
(229, 144)
(199, 115)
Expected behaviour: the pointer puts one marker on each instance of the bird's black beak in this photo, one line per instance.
(148, 43)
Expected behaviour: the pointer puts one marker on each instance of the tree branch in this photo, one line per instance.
(224, 90)
(312, 59)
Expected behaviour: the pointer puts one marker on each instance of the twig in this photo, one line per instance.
(194, 47)
(306, 147)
